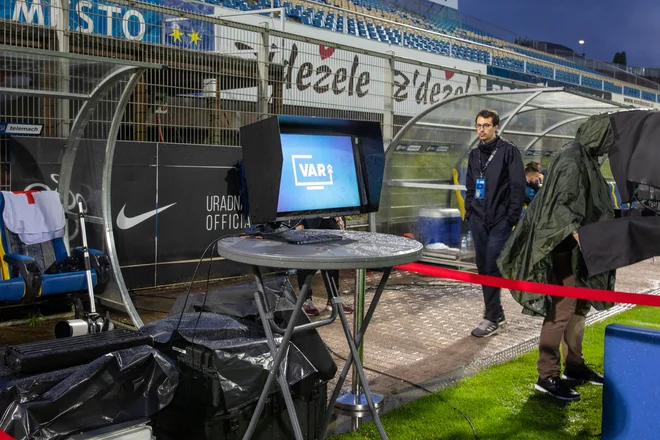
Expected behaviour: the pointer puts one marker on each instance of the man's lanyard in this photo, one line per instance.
(484, 167)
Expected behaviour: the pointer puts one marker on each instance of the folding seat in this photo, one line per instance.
(36, 264)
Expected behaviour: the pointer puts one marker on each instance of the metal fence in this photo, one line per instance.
(615, 71)
(219, 74)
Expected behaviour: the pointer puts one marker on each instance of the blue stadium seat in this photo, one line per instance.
(380, 32)
(569, 77)
(592, 82)
(611, 87)
(632, 92)
(648, 96)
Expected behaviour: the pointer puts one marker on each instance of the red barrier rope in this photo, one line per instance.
(531, 287)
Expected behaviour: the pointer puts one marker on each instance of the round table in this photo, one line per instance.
(356, 250)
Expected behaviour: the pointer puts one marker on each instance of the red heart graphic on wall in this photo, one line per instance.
(326, 52)
(449, 75)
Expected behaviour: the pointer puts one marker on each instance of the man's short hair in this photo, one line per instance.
(489, 114)
(532, 167)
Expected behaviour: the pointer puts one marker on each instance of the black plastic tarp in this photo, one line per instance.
(634, 157)
(232, 351)
(634, 161)
(121, 386)
(226, 322)
(238, 300)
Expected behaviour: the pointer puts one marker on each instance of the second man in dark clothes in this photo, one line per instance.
(495, 195)
(321, 223)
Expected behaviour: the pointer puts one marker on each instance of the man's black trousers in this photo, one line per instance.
(334, 276)
(488, 243)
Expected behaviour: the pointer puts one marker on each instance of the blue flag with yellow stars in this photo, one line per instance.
(185, 33)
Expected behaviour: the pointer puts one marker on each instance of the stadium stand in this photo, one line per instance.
(381, 25)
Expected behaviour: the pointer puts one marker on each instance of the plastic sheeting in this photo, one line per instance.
(121, 386)
(231, 352)
(230, 349)
(238, 300)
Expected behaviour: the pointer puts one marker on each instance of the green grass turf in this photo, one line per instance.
(501, 401)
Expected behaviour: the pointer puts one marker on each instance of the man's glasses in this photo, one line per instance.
(484, 126)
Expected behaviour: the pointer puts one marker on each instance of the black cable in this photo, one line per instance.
(199, 263)
(147, 309)
(201, 310)
(153, 295)
(644, 205)
(246, 234)
(416, 385)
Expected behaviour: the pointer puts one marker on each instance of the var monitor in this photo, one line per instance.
(304, 167)
(319, 175)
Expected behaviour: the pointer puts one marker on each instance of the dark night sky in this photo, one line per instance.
(607, 26)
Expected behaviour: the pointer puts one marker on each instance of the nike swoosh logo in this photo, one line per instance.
(124, 222)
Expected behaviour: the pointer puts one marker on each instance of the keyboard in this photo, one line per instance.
(297, 236)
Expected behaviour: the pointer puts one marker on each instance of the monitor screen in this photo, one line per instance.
(318, 174)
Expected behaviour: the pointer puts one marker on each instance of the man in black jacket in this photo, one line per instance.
(494, 200)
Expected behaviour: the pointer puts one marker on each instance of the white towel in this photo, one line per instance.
(36, 222)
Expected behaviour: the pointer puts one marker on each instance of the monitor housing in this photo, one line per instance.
(305, 167)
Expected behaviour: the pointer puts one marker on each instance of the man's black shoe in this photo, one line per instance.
(582, 374)
(556, 388)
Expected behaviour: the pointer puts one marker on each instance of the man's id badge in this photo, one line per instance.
(480, 188)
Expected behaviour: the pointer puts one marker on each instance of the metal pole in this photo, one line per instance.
(61, 20)
(356, 400)
(349, 361)
(263, 65)
(358, 315)
(88, 267)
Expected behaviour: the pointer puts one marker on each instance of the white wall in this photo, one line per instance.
(448, 3)
(635, 102)
(325, 77)
(315, 71)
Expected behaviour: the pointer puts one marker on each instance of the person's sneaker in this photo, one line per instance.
(501, 320)
(557, 388)
(347, 308)
(582, 374)
(485, 329)
(310, 308)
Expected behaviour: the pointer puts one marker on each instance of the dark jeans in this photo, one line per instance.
(488, 243)
(319, 223)
(334, 275)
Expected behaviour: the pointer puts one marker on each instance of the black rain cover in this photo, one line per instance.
(121, 386)
(634, 157)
